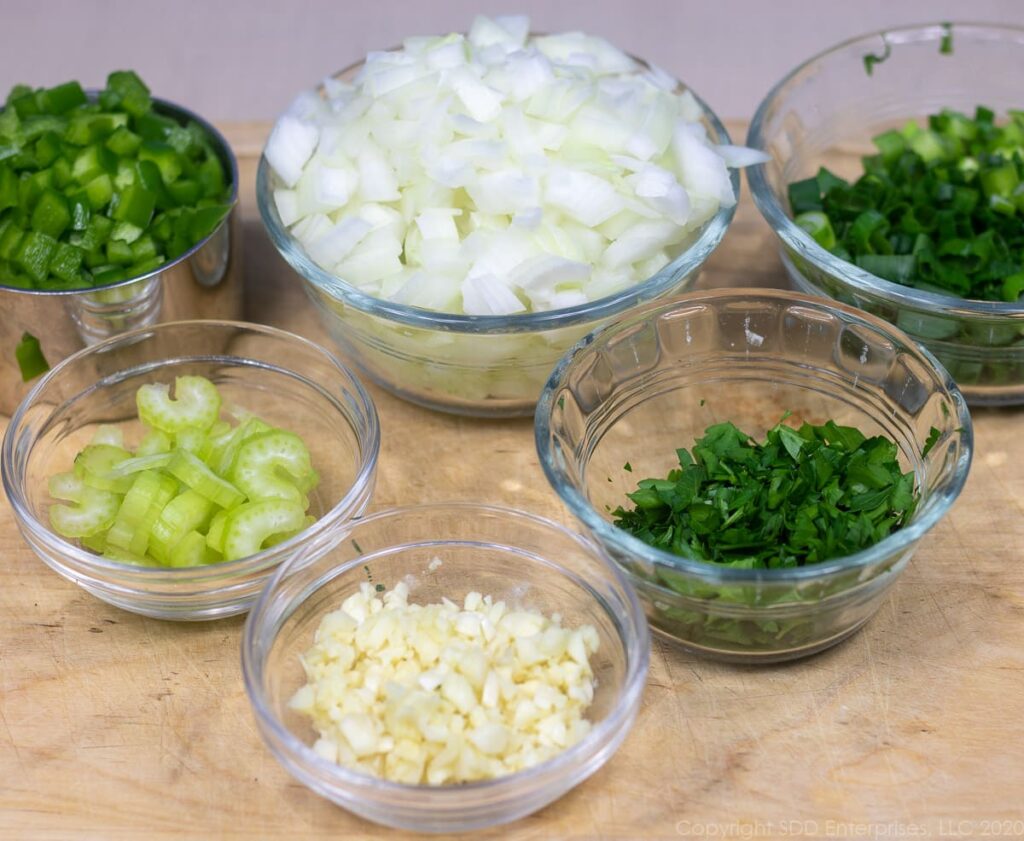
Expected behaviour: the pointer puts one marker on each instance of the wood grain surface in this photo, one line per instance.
(115, 726)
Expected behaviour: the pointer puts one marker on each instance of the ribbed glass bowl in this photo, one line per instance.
(825, 112)
(525, 560)
(286, 380)
(490, 366)
(639, 389)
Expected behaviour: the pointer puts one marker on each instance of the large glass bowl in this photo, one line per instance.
(825, 112)
(639, 389)
(286, 380)
(525, 560)
(491, 366)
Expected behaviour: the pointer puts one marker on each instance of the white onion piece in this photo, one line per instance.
(741, 156)
(494, 173)
(289, 147)
(332, 246)
(585, 197)
(287, 203)
(486, 294)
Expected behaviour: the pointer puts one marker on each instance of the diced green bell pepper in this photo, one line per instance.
(169, 162)
(123, 142)
(33, 254)
(51, 215)
(62, 98)
(10, 239)
(8, 187)
(119, 252)
(93, 161)
(100, 191)
(48, 149)
(131, 90)
(30, 358)
(66, 262)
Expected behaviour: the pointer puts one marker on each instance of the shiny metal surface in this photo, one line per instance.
(204, 282)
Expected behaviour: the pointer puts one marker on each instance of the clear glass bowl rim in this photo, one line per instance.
(214, 573)
(608, 535)
(690, 260)
(637, 647)
(801, 242)
(180, 112)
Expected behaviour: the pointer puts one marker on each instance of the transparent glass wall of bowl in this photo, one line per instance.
(526, 561)
(825, 114)
(283, 379)
(485, 366)
(656, 381)
(495, 374)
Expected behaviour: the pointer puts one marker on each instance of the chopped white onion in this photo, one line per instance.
(494, 173)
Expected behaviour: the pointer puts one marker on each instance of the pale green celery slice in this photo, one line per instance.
(192, 439)
(108, 434)
(281, 537)
(93, 510)
(192, 472)
(141, 507)
(224, 450)
(154, 442)
(196, 403)
(215, 534)
(130, 466)
(192, 551)
(263, 464)
(249, 525)
(93, 465)
(187, 512)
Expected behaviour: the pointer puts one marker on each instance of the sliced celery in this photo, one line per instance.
(196, 403)
(265, 463)
(93, 510)
(188, 469)
(187, 512)
(94, 464)
(248, 527)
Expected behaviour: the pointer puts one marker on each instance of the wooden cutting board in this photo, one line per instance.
(114, 726)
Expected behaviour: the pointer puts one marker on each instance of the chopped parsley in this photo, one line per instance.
(799, 497)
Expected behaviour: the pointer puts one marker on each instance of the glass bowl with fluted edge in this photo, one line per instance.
(282, 378)
(446, 551)
(487, 366)
(635, 391)
(825, 112)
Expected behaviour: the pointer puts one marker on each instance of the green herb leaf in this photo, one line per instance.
(931, 441)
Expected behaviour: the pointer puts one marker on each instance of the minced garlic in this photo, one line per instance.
(437, 694)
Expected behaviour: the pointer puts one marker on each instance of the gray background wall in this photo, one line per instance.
(245, 59)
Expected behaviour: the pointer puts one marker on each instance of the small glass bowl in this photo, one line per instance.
(634, 392)
(825, 112)
(525, 560)
(284, 379)
(486, 366)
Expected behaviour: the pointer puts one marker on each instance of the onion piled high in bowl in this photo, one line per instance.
(463, 208)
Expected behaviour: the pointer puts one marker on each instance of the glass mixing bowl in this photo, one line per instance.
(825, 112)
(525, 560)
(637, 390)
(492, 366)
(286, 380)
